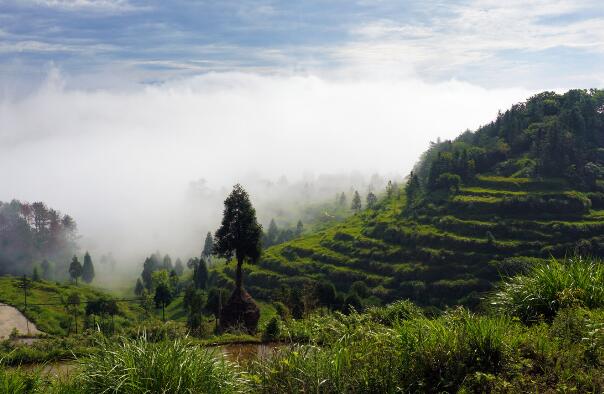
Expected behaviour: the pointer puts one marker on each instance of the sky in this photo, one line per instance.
(109, 109)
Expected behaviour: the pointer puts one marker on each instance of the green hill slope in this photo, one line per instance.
(515, 192)
(46, 304)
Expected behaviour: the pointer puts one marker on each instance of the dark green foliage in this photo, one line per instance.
(216, 299)
(163, 297)
(359, 288)
(352, 303)
(530, 140)
(272, 330)
(75, 269)
(239, 234)
(325, 293)
(208, 246)
(87, 269)
(200, 272)
(282, 310)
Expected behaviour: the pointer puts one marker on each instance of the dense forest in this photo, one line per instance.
(34, 234)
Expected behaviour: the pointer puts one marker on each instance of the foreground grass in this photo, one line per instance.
(388, 349)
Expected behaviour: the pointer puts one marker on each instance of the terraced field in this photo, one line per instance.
(448, 251)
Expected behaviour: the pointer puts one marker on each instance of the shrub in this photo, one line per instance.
(546, 288)
(171, 366)
(395, 312)
(272, 330)
(282, 310)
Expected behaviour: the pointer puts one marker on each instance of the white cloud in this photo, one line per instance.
(478, 32)
(93, 5)
(121, 161)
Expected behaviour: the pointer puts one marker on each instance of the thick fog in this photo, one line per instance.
(145, 169)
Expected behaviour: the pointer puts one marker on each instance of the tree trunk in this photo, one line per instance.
(239, 275)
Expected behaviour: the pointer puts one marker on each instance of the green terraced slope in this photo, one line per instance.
(448, 254)
(519, 190)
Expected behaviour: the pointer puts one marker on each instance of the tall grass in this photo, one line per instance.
(140, 366)
(547, 288)
(416, 354)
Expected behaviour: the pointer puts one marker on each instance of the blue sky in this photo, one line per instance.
(532, 44)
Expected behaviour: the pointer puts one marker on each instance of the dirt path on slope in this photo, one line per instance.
(10, 318)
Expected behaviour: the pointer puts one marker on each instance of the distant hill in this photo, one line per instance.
(525, 187)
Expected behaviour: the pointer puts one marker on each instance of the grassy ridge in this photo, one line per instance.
(448, 251)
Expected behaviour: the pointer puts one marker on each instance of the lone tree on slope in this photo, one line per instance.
(356, 202)
(240, 236)
(208, 246)
(87, 269)
(75, 269)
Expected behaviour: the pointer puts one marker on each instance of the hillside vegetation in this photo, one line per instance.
(550, 339)
(493, 202)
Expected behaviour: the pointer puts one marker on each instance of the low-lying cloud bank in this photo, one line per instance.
(122, 162)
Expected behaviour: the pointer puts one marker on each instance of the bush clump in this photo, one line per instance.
(546, 288)
(171, 366)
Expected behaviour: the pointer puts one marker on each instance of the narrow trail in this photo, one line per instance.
(11, 318)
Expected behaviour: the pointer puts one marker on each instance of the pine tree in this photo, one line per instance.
(273, 233)
(208, 246)
(239, 234)
(87, 269)
(356, 202)
(75, 269)
(371, 200)
(342, 200)
(200, 274)
(299, 228)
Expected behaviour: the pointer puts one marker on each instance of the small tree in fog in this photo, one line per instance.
(75, 269)
(178, 267)
(45, 269)
(371, 200)
(356, 202)
(272, 234)
(87, 269)
(342, 200)
(299, 228)
(167, 263)
(208, 246)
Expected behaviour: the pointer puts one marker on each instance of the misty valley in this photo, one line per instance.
(327, 197)
(479, 271)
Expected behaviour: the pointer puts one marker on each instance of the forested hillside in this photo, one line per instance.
(515, 192)
(34, 234)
